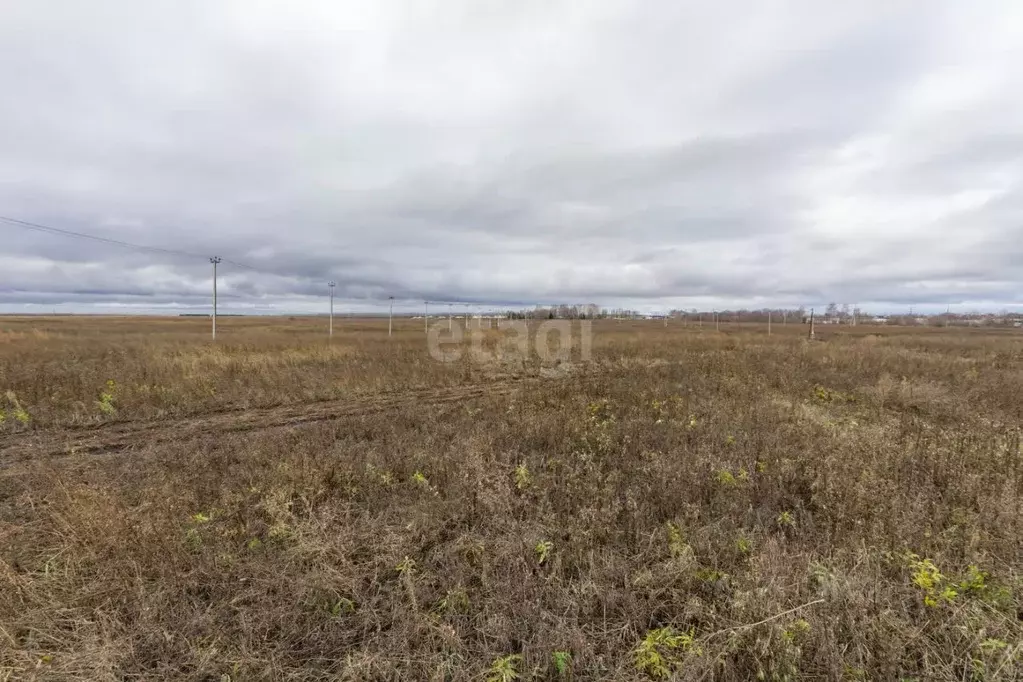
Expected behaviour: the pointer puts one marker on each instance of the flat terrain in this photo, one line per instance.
(683, 504)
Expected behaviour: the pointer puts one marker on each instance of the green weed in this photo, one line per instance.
(785, 520)
(827, 395)
(522, 477)
(661, 651)
(677, 544)
(926, 576)
(107, 397)
(504, 669)
(562, 661)
(407, 566)
(19, 413)
(543, 550)
(454, 601)
(599, 412)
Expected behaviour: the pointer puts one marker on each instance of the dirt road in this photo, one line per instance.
(116, 436)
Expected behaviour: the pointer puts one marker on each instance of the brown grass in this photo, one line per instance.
(274, 507)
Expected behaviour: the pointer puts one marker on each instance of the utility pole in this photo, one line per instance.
(811, 324)
(215, 260)
(390, 314)
(330, 325)
(426, 317)
(449, 315)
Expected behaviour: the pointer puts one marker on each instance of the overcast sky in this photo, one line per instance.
(654, 153)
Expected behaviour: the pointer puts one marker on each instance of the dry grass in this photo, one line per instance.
(689, 504)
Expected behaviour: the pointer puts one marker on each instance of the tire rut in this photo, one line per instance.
(101, 438)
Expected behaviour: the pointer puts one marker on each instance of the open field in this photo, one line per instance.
(686, 504)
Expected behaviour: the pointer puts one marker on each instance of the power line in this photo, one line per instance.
(37, 227)
(246, 267)
(49, 229)
(81, 235)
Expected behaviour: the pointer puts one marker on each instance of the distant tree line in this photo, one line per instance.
(833, 313)
(588, 311)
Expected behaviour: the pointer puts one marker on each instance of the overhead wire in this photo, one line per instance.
(38, 227)
(81, 235)
(49, 229)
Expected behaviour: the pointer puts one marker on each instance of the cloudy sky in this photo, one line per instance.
(652, 153)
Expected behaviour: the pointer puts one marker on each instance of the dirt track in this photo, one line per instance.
(114, 436)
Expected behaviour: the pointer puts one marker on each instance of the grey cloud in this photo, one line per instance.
(660, 154)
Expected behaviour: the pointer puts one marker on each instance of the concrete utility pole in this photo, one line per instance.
(811, 323)
(215, 260)
(390, 314)
(426, 316)
(330, 325)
